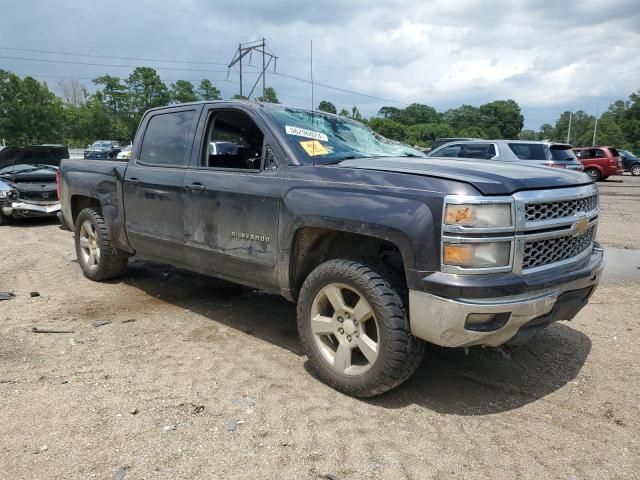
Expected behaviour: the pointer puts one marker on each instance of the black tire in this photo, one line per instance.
(3, 219)
(594, 173)
(604, 178)
(109, 262)
(635, 170)
(398, 352)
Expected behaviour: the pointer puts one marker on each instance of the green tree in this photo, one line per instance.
(326, 106)
(355, 113)
(269, 96)
(344, 112)
(418, 113)
(546, 132)
(425, 133)
(208, 91)
(465, 116)
(182, 91)
(391, 113)
(388, 128)
(581, 125)
(146, 90)
(113, 94)
(501, 119)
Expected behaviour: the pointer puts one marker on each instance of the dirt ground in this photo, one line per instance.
(196, 378)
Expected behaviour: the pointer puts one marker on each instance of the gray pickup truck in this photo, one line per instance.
(381, 248)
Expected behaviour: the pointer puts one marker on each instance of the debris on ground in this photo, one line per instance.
(34, 294)
(119, 473)
(169, 428)
(129, 320)
(135, 411)
(7, 295)
(48, 330)
(99, 323)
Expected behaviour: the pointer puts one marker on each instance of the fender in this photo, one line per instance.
(406, 222)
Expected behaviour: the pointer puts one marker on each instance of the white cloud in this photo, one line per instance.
(546, 55)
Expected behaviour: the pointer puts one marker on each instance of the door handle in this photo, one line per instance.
(133, 181)
(195, 187)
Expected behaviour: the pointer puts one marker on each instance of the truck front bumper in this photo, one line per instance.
(463, 322)
(26, 208)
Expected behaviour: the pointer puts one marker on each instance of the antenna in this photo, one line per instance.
(311, 67)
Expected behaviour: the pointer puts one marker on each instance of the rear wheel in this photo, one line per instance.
(635, 170)
(97, 256)
(354, 329)
(3, 219)
(594, 173)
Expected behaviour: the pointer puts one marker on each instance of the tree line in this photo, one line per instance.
(31, 113)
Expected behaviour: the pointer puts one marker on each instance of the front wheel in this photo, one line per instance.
(97, 256)
(3, 219)
(354, 328)
(594, 173)
(635, 170)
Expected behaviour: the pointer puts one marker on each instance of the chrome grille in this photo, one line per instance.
(544, 252)
(536, 212)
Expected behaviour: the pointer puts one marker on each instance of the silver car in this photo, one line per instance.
(548, 154)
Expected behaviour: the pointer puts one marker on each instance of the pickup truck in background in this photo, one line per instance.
(381, 248)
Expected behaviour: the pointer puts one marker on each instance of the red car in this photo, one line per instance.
(600, 162)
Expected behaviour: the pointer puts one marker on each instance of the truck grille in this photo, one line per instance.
(544, 252)
(547, 211)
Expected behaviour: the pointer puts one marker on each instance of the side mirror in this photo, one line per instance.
(269, 160)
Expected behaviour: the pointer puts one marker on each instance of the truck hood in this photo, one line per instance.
(488, 176)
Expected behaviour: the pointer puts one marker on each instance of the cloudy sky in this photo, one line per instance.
(547, 55)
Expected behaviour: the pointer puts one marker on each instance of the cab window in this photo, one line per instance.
(233, 141)
(168, 138)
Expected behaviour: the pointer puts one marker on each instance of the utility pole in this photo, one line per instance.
(569, 131)
(595, 129)
(245, 49)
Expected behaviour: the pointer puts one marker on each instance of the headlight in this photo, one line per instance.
(489, 215)
(477, 255)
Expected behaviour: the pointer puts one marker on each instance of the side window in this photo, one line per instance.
(233, 141)
(474, 150)
(579, 154)
(450, 151)
(599, 153)
(167, 138)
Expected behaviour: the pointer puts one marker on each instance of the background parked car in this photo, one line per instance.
(441, 141)
(543, 153)
(103, 149)
(600, 162)
(28, 180)
(630, 163)
(125, 154)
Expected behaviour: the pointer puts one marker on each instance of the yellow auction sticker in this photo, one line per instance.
(313, 148)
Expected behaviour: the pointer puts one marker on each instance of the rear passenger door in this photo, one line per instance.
(153, 182)
(232, 197)
(477, 150)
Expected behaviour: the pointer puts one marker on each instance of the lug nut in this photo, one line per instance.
(348, 338)
(341, 330)
(346, 315)
(355, 322)
(356, 334)
(340, 319)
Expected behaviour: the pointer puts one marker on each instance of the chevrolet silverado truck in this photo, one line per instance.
(381, 248)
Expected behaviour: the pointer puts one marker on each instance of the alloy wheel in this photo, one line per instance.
(345, 329)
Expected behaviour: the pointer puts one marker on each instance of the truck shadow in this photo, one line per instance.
(481, 382)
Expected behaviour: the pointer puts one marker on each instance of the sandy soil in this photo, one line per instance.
(196, 378)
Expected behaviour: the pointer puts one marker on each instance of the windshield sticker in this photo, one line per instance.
(313, 148)
(301, 132)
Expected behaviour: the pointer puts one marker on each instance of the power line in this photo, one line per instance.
(280, 74)
(73, 77)
(75, 54)
(108, 64)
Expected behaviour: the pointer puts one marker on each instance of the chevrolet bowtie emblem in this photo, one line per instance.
(581, 226)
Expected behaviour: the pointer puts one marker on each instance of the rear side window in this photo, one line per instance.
(168, 137)
(614, 152)
(561, 153)
(477, 150)
(598, 153)
(450, 151)
(529, 151)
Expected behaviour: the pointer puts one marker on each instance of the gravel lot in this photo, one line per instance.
(196, 378)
